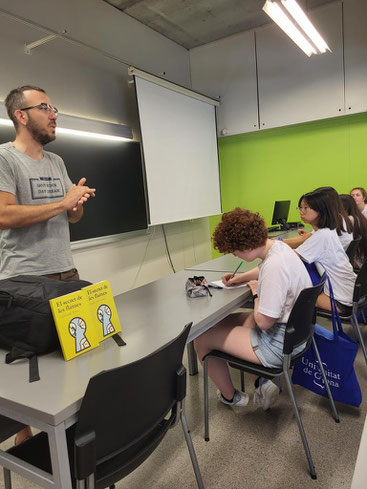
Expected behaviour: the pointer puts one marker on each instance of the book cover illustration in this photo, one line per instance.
(103, 309)
(74, 324)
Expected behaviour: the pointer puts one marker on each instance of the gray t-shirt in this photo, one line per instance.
(42, 248)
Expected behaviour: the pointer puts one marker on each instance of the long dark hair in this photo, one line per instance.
(359, 225)
(343, 223)
(322, 200)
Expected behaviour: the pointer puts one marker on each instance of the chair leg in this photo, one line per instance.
(190, 447)
(363, 317)
(326, 383)
(300, 426)
(242, 380)
(206, 400)
(278, 382)
(357, 329)
(7, 479)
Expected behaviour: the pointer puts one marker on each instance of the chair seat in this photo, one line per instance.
(327, 314)
(245, 365)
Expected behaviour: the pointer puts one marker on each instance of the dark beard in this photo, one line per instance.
(37, 135)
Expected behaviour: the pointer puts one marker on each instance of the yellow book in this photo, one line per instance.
(74, 324)
(103, 309)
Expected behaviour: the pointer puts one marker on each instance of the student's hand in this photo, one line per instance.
(253, 286)
(236, 280)
(301, 232)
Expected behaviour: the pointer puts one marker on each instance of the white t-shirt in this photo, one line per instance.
(282, 276)
(364, 212)
(325, 250)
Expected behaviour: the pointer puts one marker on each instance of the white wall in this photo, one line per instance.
(85, 82)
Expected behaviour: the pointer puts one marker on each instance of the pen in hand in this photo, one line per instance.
(234, 273)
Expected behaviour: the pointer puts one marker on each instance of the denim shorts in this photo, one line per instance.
(268, 345)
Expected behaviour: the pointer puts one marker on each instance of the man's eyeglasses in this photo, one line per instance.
(302, 209)
(42, 106)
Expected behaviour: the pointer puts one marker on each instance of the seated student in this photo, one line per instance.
(325, 250)
(360, 196)
(343, 225)
(359, 227)
(256, 336)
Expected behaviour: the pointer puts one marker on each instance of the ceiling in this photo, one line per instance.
(192, 23)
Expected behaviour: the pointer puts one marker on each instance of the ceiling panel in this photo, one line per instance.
(192, 23)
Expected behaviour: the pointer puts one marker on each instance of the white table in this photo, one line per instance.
(150, 315)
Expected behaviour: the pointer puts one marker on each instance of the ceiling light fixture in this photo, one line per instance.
(294, 22)
(82, 127)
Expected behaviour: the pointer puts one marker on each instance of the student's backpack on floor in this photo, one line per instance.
(27, 327)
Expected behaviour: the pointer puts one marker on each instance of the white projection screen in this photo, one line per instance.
(179, 140)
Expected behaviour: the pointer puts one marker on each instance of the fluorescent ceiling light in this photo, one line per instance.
(86, 134)
(82, 127)
(299, 28)
(6, 122)
(303, 21)
(279, 17)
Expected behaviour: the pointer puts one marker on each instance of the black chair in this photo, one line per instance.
(352, 249)
(299, 329)
(9, 427)
(124, 415)
(359, 303)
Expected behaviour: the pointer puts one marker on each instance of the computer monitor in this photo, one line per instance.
(280, 213)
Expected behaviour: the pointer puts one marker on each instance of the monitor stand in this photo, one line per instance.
(283, 224)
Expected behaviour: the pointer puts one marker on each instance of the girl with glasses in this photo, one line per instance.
(324, 248)
(343, 225)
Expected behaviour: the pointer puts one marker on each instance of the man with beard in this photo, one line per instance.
(37, 197)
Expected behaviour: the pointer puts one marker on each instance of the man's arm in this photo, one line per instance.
(13, 215)
(74, 215)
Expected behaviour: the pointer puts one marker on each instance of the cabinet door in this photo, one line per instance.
(355, 52)
(226, 70)
(296, 88)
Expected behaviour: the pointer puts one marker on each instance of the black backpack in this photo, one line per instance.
(27, 327)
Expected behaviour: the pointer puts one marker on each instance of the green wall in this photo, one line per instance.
(280, 164)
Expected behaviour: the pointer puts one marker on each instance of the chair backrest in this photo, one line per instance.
(352, 249)
(301, 321)
(124, 404)
(360, 288)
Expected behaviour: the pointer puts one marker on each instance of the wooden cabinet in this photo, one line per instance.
(226, 70)
(293, 87)
(355, 52)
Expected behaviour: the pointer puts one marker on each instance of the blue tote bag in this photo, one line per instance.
(337, 352)
(313, 273)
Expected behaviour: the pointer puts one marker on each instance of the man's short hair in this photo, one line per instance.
(240, 230)
(15, 100)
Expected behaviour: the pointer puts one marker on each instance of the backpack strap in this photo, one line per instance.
(118, 340)
(17, 354)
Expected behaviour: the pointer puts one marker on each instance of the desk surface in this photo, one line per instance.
(150, 315)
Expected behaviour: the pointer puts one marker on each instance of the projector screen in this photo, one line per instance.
(179, 141)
